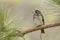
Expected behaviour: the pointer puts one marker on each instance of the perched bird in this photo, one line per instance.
(38, 19)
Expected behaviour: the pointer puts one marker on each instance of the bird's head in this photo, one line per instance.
(38, 12)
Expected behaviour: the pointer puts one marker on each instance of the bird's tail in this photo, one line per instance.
(42, 31)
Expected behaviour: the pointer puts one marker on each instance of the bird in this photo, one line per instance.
(38, 19)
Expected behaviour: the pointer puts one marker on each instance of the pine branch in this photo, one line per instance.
(39, 28)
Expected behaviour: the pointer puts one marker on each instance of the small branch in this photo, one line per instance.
(41, 27)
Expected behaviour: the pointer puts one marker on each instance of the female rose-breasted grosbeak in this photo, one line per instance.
(38, 19)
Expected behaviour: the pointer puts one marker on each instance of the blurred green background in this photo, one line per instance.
(18, 15)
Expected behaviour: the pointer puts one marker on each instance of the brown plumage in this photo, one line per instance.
(38, 15)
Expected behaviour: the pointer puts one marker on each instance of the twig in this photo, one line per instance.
(39, 28)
